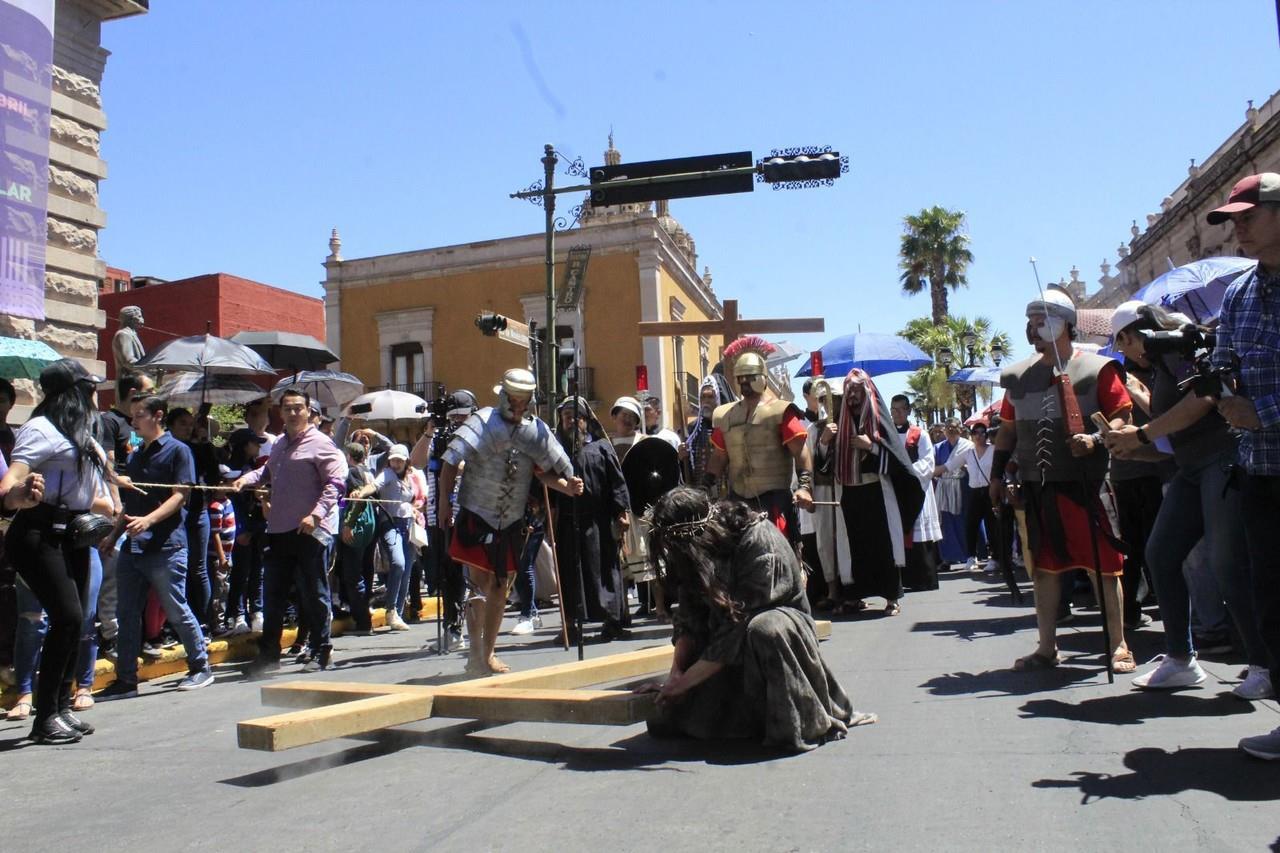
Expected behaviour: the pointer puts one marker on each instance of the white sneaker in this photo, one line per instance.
(394, 622)
(255, 623)
(1170, 674)
(1263, 746)
(523, 627)
(971, 565)
(1257, 685)
(239, 628)
(992, 567)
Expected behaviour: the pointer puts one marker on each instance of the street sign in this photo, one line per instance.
(515, 336)
(575, 277)
(603, 195)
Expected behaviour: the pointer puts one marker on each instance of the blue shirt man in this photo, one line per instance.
(164, 459)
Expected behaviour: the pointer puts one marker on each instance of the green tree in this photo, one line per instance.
(935, 255)
(930, 391)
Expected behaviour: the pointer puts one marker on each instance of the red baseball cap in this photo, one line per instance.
(1247, 192)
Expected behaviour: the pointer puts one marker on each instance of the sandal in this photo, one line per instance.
(1123, 662)
(892, 609)
(83, 700)
(19, 711)
(848, 608)
(1035, 661)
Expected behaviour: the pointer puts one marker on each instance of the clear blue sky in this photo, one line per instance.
(243, 130)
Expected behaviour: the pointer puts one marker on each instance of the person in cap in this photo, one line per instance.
(394, 488)
(504, 447)
(653, 422)
(627, 414)
(1062, 464)
(1248, 342)
(762, 442)
(586, 546)
(1203, 501)
(56, 473)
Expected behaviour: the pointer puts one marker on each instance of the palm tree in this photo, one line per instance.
(934, 254)
(929, 387)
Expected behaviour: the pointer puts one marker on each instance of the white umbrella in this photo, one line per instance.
(387, 406)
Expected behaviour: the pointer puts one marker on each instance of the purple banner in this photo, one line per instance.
(26, 57)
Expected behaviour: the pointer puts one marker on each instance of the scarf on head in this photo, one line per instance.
(871, 419)
(703, 425)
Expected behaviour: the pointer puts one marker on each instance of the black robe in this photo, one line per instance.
(585, 526)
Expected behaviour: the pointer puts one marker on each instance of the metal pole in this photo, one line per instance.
(549, 208)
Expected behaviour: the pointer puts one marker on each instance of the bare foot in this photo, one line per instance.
(496, 665)
(476, 667)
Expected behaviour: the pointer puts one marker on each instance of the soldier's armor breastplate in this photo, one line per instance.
(758, 460)
(1030, 389)
(500, 464)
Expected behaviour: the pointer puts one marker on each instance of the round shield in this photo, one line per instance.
(651, 469)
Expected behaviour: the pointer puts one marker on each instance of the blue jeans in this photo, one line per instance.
(165, 571)
(526, 586)
(352, 563)
(32, 627)
(401, 554)
(1201, 501)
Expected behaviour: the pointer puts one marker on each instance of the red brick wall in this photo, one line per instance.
(223, 304)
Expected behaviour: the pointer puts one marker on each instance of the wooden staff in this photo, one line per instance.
(555, 565)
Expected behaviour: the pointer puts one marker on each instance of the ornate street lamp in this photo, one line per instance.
(997, 353)
(967, 340)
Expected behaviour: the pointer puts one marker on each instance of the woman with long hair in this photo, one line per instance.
(746, 661)
(55, 476)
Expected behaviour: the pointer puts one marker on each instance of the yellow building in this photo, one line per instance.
(406, 320)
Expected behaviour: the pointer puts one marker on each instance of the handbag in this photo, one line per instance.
(88, 529)
(417, 534)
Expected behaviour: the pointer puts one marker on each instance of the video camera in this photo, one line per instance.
(1195, 344)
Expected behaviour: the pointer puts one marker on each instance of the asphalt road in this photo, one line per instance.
(967, 756)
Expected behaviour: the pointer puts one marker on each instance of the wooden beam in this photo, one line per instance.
(312, 694)
(299, 728)
(513, 704)
(663, 328)
(567, 676)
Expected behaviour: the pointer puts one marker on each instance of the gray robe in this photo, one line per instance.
(775, 686)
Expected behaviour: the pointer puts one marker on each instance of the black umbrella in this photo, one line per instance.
(288, 350)
(205, 354)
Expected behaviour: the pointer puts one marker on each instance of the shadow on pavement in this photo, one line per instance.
(1225, 771)
(970, 629)
(638, 752)
(1136, 707)
(1008, 682)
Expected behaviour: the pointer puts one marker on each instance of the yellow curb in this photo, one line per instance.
(241, 649)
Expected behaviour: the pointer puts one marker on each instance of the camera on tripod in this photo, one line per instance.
(1195, 344)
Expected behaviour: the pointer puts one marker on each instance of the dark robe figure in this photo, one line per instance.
(746, 663)
(585, 525)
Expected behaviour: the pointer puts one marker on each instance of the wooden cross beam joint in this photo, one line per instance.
(550, 694)
(731, 327)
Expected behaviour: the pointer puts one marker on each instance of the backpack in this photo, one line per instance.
(363, 524)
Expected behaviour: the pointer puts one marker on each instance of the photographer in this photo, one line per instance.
(1249, 341)
(1203, 499)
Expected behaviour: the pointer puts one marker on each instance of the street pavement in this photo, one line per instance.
(967, 756)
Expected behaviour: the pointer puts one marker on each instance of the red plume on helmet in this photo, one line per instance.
(749, 343)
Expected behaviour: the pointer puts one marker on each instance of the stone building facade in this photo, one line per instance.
(1177, 233)
(72, 266)
(407, 320)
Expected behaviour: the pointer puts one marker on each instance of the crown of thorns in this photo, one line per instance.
(682, 531)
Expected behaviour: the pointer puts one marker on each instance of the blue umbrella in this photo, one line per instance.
(975, 375)
(1196, 288)
(875, 353)
(24, 359)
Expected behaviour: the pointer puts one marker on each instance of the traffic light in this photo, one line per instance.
(786, 167)
(490, 323)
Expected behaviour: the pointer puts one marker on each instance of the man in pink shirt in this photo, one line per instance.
(306, 472)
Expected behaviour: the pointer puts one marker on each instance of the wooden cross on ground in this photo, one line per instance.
(551, 694)
(731, 327)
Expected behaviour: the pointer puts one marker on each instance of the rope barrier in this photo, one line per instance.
(248, 491)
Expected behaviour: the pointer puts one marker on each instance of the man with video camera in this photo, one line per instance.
(1249, 344)
(1203, 499)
